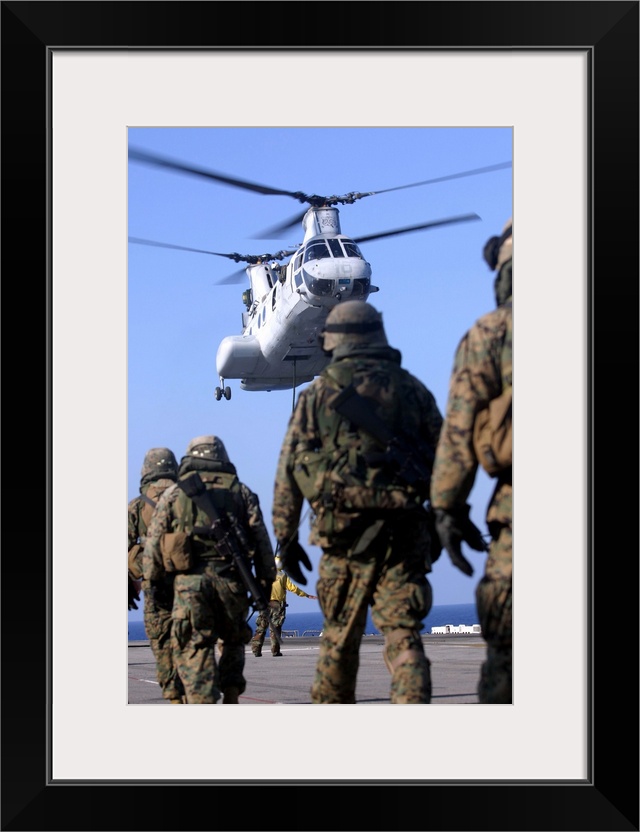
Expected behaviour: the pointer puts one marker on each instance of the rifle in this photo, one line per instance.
(411, 459)
(226, 532)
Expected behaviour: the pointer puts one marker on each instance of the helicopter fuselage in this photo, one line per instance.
(288, 304)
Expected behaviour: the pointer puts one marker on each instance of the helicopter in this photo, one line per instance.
(287, 303)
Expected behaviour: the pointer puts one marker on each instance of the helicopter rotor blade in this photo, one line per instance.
(317, 200)
(143, 242)
(420, 227)
(154, 159)
(239, 258)
(474, 172)
(236, 277)
(239, 276)
(173, 164)
(277, 231)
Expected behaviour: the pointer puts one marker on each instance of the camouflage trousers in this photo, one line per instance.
(158, 601)
(389, 576)
(209, 606)
(270, 619)
(493, 601)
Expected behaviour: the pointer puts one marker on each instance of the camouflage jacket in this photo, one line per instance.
(324, 457)
(139, 513)
(249, 516)
(482, 366)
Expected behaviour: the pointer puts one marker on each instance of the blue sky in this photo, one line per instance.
(433, 284)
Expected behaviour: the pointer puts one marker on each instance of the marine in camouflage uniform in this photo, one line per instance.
(482, 368)
(370, 523)
(273, 617)
(210, 600)
(159, 471)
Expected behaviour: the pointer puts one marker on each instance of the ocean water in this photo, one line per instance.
(298, 623)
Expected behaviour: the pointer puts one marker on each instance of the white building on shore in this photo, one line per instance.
(453, 629)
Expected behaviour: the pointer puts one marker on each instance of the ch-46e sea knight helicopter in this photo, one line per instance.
(287, 303)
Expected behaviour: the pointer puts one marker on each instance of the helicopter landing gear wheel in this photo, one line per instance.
(221, 391)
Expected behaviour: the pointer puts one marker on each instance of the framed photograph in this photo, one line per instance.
(564, 76)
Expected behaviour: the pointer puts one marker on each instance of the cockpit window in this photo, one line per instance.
(319, 285)
(316, 252)
(352, 249)
(334, 245)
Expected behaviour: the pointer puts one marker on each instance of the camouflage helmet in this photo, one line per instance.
(207, 447)
(159, 463)
(353, 322)
(499, 250)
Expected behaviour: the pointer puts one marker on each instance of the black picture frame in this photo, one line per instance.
(608, 799)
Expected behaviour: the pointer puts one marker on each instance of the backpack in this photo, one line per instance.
(150, 500)
(337, 476)
(492, 438)
(224, 488)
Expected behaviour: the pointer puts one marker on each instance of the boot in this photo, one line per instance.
(231, 696)
(176, 701)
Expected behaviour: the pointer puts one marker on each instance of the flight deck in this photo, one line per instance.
(455, 669)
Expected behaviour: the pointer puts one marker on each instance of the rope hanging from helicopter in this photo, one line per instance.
(252, 607)
(293, 402)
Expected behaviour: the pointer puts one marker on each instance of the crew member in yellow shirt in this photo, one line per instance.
(273, 617)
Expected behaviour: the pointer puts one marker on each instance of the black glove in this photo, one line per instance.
(292, 556)
(436, 545)
(454, 526)
(133, 595)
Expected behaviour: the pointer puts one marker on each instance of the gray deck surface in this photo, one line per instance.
(455, 670)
